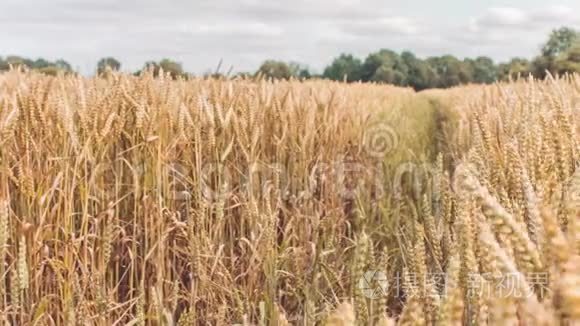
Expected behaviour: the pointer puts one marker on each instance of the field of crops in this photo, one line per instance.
(152, 201)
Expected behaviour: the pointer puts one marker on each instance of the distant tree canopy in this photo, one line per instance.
(275, 69)
(173, 68)
(511, 70)
(556, 52)
(41, 65)
(568, 60)
(108, 63)
(386, 66)
(559, 42)
(420, 74)
(282, 70)
(560, 54)
(345, 67)
(299, 71)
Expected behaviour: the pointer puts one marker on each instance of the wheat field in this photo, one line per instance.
(145, 200)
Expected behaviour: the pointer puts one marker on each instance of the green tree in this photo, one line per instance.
(345, 67)
(389, 75)
(63, 65)
(299, 70)
(16, 61)
(40, 63)
(174, 68)
(385, 66)
(568, 61)
(108, 63)
(275, 69)
(559, 41)
(483, 70)
(420, 74)
(540, 65)
(450, 71)
(514, 68)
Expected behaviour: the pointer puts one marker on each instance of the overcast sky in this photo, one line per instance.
(198, 33)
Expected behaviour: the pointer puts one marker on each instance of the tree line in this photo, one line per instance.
(560, 54)
(42, 65)
(104, 65)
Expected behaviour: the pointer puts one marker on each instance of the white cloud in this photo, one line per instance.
(561, 14)
(246, 32)
(500, 17)
(250, 29)
(509, 18)
(382, 26)
(401, 25)
(505, 17)
(505, 32)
